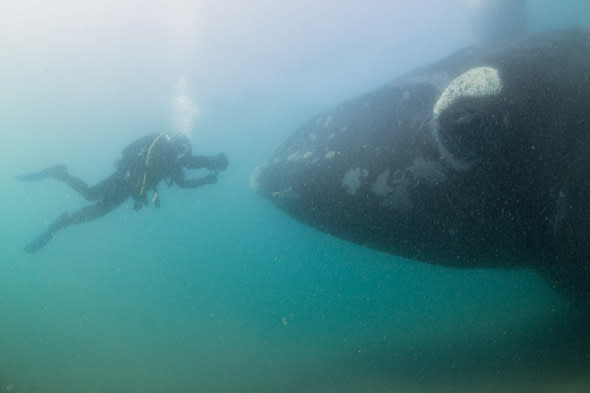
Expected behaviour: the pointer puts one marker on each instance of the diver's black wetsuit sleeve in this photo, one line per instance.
(216, 163)
(80, 186)
(179, 178)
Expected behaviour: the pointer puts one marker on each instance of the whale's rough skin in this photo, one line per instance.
(492, 178)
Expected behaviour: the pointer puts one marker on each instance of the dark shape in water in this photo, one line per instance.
(143, 165)
(480, 160)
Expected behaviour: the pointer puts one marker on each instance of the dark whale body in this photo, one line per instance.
(480, 160)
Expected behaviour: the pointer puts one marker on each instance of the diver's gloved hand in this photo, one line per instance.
(210, 178)
(219, 162)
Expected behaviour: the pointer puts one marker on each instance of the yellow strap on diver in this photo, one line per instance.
(147, 162)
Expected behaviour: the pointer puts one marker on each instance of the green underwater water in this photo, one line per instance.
(218, 291)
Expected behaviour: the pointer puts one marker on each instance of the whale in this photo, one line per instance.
(480, 160)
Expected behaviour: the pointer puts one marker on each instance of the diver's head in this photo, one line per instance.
(181, 146)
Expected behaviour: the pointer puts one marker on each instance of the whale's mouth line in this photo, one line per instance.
(446, 155)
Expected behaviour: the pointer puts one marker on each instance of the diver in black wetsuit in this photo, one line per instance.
(143, 164)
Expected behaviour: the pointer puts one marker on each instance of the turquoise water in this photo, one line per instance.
(218, 291)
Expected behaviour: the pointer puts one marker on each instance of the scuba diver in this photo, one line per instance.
(143, 164)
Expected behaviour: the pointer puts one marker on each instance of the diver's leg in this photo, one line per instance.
(59, 172)
(216, 163)
(85, 214)
(44, 174)
(79, 185)
(90, 213)
(37, 243)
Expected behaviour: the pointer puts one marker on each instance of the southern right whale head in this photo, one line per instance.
(480, 160)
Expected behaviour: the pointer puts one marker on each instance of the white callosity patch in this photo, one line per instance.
(324, 121)
(352, 179)
(428, 171)
(254, 182)
(477, 82)
(381, 188)
(399, 198)
(329, 155)
(393, 190)
(294, 156)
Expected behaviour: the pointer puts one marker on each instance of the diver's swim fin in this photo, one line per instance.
(54, 171)
(37, 243)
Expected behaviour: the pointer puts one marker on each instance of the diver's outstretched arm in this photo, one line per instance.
(194, 183)
(59, 172)
(214, 163)
(85, 214)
